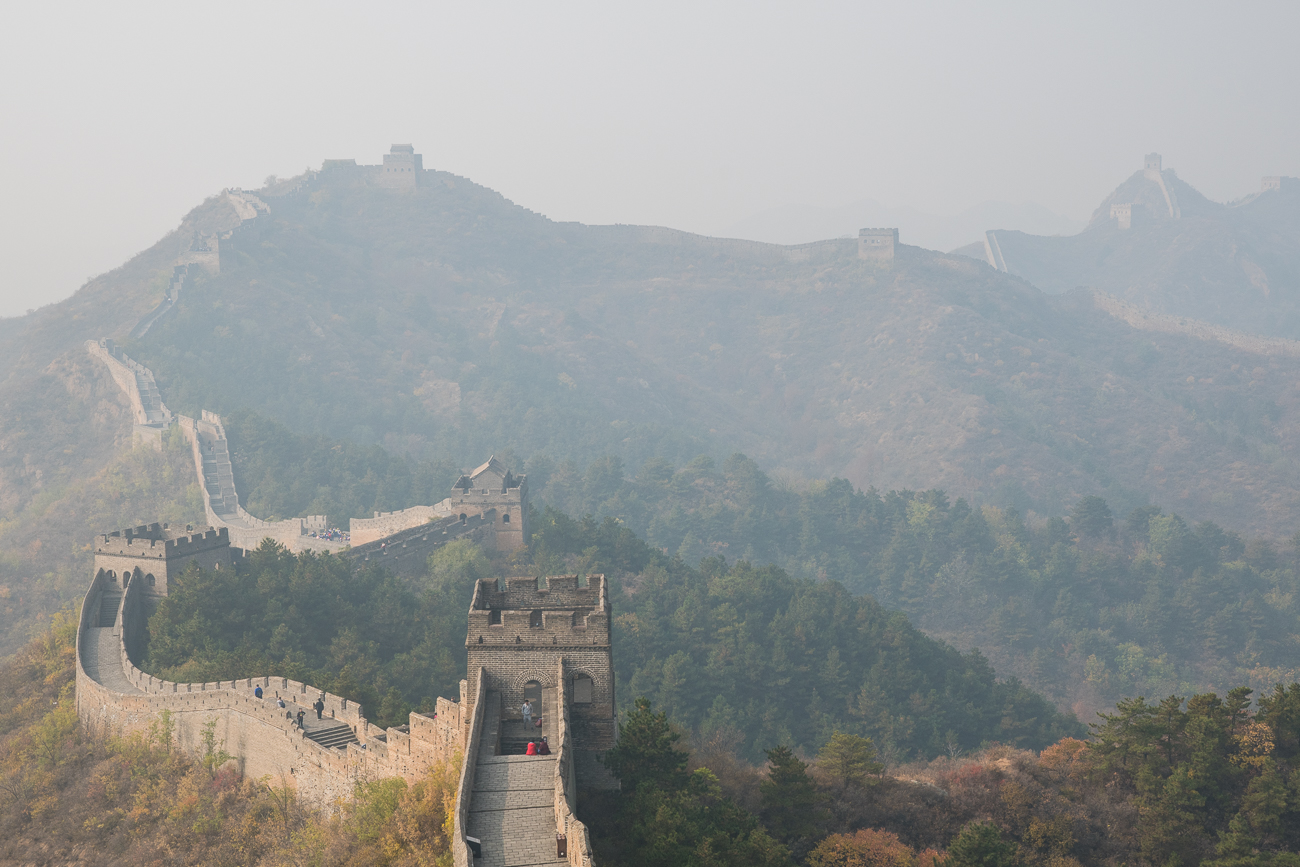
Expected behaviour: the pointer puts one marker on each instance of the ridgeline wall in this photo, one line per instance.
(255, 732)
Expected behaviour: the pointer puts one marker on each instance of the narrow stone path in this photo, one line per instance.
(101, 657)
(512, 810)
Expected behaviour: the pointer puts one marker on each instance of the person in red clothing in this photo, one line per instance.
(543, 748)
(532, 749)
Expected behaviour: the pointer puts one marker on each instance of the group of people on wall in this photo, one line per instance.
(318, 706)
(538, 747)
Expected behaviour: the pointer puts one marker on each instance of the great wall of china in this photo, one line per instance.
(547, 640)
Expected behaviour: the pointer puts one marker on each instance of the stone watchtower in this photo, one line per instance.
(156, 555)
(493, 487)
(1152, 163)
(877, 243)
(525, 634)
(402, 167)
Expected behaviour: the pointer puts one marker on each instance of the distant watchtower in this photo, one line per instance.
(1152, 163)
(492, 486)
(520, 635)
(877, 243)
(156, 555)
(402, 167)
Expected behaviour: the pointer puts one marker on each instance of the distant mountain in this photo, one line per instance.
(444, 322)
(798, 224)
(1158, 243)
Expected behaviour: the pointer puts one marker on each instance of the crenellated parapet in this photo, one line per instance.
(525, 613)
(263, 738)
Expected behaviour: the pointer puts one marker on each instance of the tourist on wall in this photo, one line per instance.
(257, 693)
(319, 706)
(528, 712)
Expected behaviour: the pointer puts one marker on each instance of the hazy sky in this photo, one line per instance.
(116, 119)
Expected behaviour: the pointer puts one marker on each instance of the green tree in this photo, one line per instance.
(848, 759)
(792, 806)
(1091, 517)
(646, 752)
(980, 844)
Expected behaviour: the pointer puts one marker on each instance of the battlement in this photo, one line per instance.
(877, 243)
(525, 613)
(526, 593)
(158, 540)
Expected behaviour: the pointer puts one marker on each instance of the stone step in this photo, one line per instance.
(515, 837)
(108, 605)
(334, 736)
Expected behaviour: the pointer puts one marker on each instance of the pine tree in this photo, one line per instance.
(791, 803)
(849, 760)
(647, 751)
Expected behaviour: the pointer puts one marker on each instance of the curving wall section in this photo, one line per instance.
(114, 694)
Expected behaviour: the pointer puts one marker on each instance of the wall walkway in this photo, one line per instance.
(406, 553)
(518, 806)
(207, 438)
(151, 416)
(265, 740)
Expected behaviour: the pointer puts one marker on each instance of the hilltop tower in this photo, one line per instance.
(525, 634)
(1123, 215)
(402, 167)
(157, 554)
(1152, 163)
(877, 243)
(492, 486)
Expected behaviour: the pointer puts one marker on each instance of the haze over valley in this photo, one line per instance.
(820, 438)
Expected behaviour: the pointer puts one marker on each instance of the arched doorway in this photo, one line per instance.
(533, 693)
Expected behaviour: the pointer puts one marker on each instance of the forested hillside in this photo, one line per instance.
(749, 655)
(1085, 607)
(731, 660)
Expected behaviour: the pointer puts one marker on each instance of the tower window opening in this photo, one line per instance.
(535, 619)
(581, 689)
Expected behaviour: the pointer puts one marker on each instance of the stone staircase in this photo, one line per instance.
(109, 603)
(515, 736)
(333, 736)
(150, 398)
(219, 477)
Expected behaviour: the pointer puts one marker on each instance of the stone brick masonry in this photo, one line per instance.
(552, 637)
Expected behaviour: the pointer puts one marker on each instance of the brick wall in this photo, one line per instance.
(254, 731)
